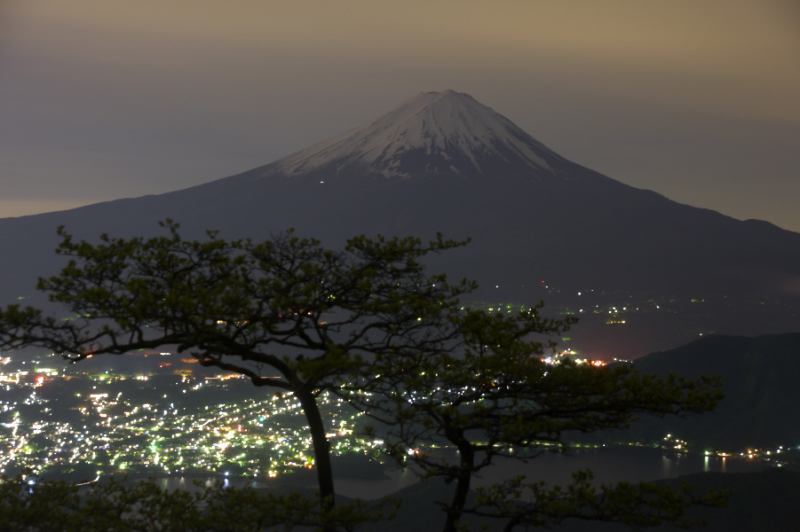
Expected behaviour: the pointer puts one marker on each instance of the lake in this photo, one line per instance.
(609, 464)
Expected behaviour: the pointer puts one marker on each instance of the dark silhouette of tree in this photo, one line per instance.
(114, 505)
(366, 323)
(496, 397)
(287, 313)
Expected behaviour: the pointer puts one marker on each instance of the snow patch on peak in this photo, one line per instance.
(449, 124)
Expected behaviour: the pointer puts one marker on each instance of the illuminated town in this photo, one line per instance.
(62, 422)
(170, 417)
(159, 424)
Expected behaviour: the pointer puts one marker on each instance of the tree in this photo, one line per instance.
(364, 322)
(646, 504)
(497, 397)
(287, 305)
(113, 505)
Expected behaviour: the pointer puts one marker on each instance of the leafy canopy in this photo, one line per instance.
(115, 505)
(287, 313)
(495, 397)
(222, 299)
(367, 323)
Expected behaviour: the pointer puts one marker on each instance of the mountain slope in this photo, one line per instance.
(444, 162)
(759, 377)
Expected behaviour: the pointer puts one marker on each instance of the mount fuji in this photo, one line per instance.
(441, 161)
(432, 133)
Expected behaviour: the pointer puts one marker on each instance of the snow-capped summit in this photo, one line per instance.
(430, 133)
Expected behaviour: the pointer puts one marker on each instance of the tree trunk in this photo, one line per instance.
(462, 489)
(322, 455)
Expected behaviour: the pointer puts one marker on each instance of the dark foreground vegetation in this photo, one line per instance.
(366, 324)
(758, 501)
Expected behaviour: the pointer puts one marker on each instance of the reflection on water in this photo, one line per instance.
(200, 483)
(666, 466)
(612, 464)
(609, 465)
(375, 489)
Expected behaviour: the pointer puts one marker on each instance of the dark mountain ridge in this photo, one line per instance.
(759, 378)
(444, 162)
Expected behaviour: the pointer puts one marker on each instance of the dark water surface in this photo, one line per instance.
(612, 464)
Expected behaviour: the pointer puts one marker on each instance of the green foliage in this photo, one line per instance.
(758, 501)
(646, 504)
(220, 299)
(287, 306)
(496, 397)
(117, 506)
(362, 319)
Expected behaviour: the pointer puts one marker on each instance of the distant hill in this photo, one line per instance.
(761, 381)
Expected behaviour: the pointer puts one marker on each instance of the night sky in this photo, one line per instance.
(699, 101)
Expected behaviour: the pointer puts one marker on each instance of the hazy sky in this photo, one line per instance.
(697, 100)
